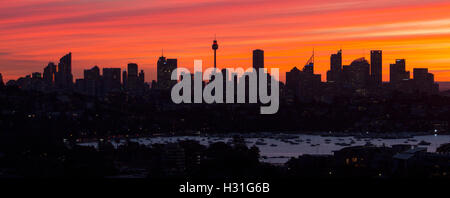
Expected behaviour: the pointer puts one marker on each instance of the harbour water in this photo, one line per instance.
(279, 148)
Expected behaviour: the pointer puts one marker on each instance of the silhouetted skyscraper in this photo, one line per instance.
(422, 74)
(141, 81)
(1, 80)
(49, 73)
(397, 72)
(258, 59)
(424, 81)
(124, 79)
(132, 80)
(64, 77)
(92, 81)
(303, 84)
(258, 63)
(336, 61)
(111, 79)
(141, 77)
(293, 78)
(334, 74)
(376, 66)
(358, 73)
(165, 67)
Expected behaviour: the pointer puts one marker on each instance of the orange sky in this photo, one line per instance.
(111, 33)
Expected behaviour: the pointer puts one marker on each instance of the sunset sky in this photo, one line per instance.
(111, 33)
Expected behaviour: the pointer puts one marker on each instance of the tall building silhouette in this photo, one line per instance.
(215, 46)
(258, 59)
(376, 66)
(141, 81)
(64, 77)
(424, 81)
(92, 81)
(334, 74)
(258, 63)
(111, 79)
(1, 80)
(357, 74)
(165, 67)
(132, 79)
(336, 61)
(141, 77)
(304, 84)
(124, 79)
(421, 74)
(397, 72)
(49, 73)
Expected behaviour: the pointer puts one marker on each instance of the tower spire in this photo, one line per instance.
(215, 46)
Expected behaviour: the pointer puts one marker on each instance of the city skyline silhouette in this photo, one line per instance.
(384, 67)
(360, 76)
(212, 97)
(117, 33)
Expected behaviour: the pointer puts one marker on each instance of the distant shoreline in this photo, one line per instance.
(284, 134)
